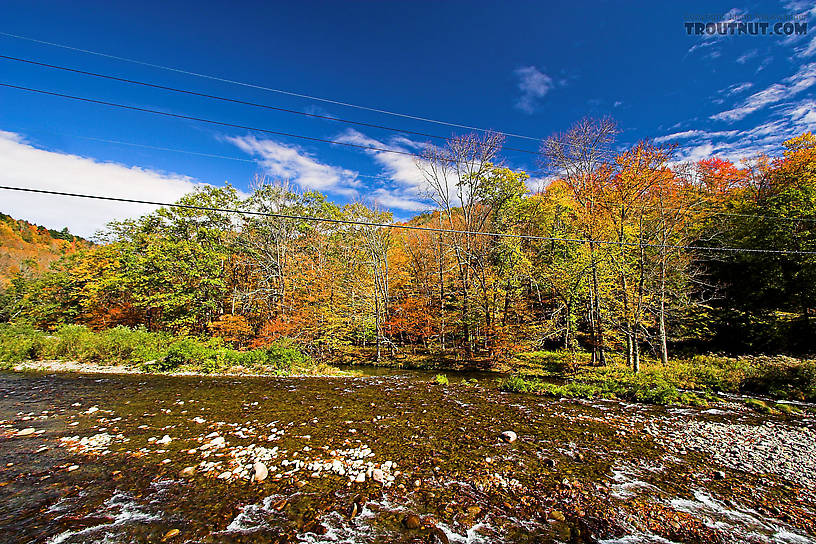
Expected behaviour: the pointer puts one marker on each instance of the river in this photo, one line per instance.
(149, 458)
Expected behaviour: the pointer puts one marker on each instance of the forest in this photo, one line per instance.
(624, 253)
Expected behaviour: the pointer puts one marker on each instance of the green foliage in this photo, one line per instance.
(759, 406)
(152, 352)
(210, 356)
(20, 343)
(691, 381)
(782, 377)
(556, 363)
(787, 409)
(441, 379)
(620, 383)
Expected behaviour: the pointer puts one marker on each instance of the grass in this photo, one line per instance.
(149, 351)
(441, 379)
(635, 388)
(693, 381)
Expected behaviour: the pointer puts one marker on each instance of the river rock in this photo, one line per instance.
(259, 472)
(26, 432)
(187, 471)
(411, 521)
(508, 436)
(377, 475)
(170, 534)
(438, 536)
(164, 440)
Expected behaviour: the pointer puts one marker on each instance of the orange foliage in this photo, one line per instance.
(232, 328)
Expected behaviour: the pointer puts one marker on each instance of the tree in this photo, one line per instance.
(580, 157)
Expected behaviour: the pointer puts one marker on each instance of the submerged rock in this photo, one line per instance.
(170, 534)
(557, 515)
(438, 536)
(508, 436)
(411, 521)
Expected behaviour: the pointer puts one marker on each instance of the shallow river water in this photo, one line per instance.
(386, 458)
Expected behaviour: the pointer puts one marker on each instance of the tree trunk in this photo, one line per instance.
(599, 337)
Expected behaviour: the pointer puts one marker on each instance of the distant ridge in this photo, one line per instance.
(30, 247)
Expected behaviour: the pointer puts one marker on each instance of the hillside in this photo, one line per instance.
(23, 244)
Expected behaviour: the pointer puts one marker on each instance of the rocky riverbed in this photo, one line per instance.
(108, 458)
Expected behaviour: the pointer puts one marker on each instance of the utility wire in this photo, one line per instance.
(405, 227)
(212, 122)
(683, 211)
(278, 133)
(263, 88)
(242, 102)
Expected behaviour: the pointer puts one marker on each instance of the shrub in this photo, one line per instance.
(76, 343)
(782, 377)
(284, 355)
(556, 363)
(515, 384)
(124, 345)
(441, 379)
(20, 343)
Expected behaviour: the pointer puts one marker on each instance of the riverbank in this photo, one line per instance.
(98, 368)
(388, 458)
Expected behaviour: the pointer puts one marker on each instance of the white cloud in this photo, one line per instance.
(406, 191)
(785, 122)
(534, 85)
(691, 134)
(23, 165)
(748, 55)
(398, 167)
(738, 88)
(713, 41)
(807, 50)
(678, 136)
(806, 11)
(293, 164)
(788, 88)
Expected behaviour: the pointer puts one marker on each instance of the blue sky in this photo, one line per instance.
(527, 68)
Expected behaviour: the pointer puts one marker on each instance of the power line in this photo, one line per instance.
(238, 101)
(406, 227)
(269, 89)
(213, 122)
(384, 177)
(291, 135)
